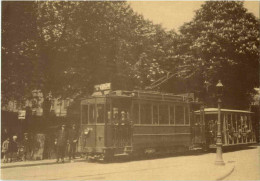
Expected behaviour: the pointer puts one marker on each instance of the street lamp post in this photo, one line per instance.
(219, 159)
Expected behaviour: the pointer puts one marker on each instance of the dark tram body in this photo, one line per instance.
(139, 122)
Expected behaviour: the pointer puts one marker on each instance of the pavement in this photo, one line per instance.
(183, 167)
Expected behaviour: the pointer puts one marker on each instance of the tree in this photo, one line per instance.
(68, 47)
(17, 50)
(221, 42)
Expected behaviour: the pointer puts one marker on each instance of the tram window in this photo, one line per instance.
(136, 113)
(179, 115)
(239, 123)
(109, 115)
(245, 123)
(228, 122)
(146, 113)
(163, 114)
(236, 122)
(229, 117)
(187, 118)
(84, 114)
(115, 114)
(155, 114)
(171, 114)
(100, 113)
(91, 114)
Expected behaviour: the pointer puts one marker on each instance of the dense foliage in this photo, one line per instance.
(64, 48)
(220, 43)
(67, 47)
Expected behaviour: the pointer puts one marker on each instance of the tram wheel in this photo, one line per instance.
(108, 156)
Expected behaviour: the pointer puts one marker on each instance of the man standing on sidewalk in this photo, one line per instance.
(73, 139)
(13, 147)
(61, 142)
(26, 147)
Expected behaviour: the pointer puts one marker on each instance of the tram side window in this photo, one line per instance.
(187, 118)
(136, 113)
(146, 113)
(171, 114)
(163, 114)
(179, 115)
(155, 114)
(100, 113)
(91, 114)
(235, 120)
(84, 114)
(245, 125)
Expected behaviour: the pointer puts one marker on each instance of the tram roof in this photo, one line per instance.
(215, 110)
(144, 94)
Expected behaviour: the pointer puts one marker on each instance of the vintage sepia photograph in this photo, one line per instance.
(130, 90)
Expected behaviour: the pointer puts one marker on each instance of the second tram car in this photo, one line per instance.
(236, 126)
(139, 122)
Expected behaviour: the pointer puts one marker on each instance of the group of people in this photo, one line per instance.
(14, 151)
(66, 140)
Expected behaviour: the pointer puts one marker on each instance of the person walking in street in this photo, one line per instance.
(73, 139)
(61, 142)
(5, 150)
(13, 149)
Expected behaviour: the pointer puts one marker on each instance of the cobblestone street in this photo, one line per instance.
(189, 167)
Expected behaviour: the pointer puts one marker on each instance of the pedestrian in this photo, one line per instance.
(26, 147)
(4, 135)
(13, 149)
(61, 142)
(73, 139)
(5, 150)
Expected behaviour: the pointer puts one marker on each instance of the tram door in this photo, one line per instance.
(121, 131)
(198, 129)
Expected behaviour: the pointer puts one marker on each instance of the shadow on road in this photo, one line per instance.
(239, 148)
(122, 159)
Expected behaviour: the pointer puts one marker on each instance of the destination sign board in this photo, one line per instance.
(102, 87)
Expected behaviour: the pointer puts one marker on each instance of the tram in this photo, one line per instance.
(142, 122)
(126, 122)
(236, 126)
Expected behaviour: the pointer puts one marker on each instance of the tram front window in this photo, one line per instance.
(100, 113)
(91, 114)
(120, 108)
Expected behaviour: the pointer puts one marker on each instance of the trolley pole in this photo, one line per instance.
(219, 159)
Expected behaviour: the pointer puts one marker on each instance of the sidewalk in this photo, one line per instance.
(32, 163)
(193, 167)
